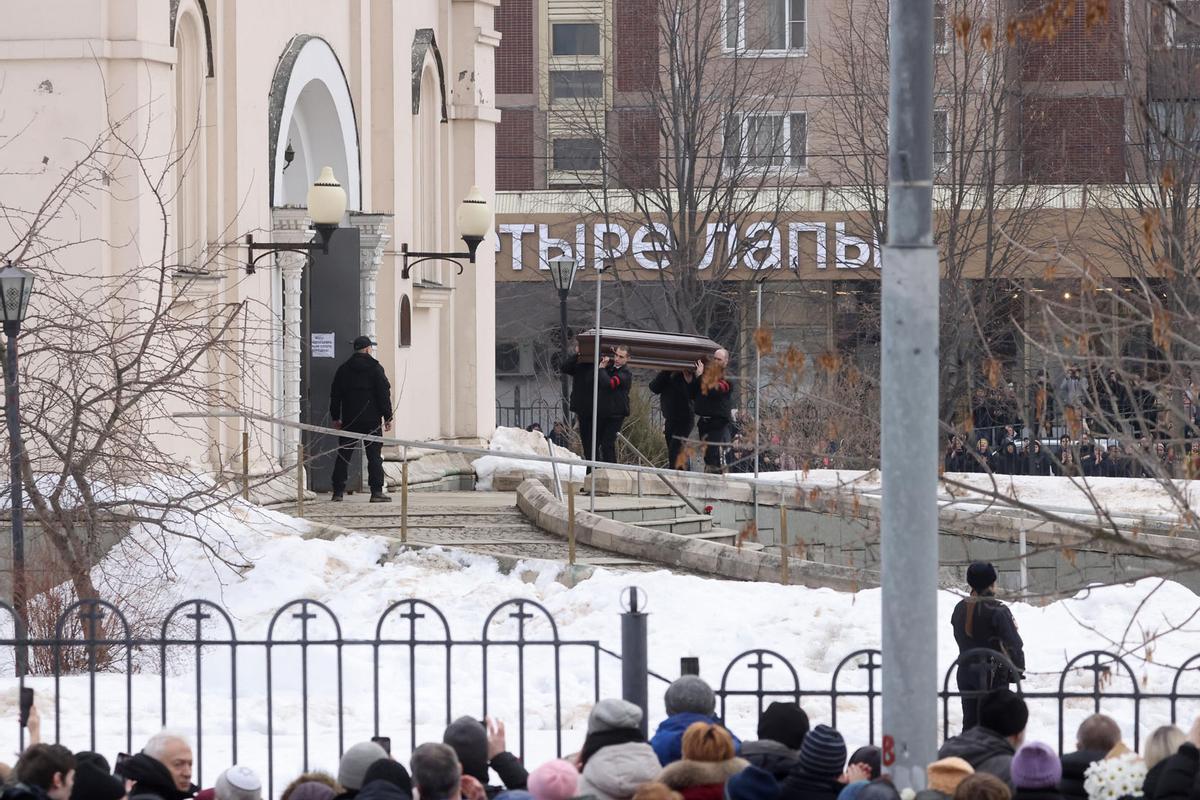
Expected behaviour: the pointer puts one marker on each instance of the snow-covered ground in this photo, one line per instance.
(689, 616)
(516, 440)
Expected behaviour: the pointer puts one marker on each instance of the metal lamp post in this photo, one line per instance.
(562, 272)
(16, 286)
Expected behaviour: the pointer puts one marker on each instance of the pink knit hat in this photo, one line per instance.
(554, 780)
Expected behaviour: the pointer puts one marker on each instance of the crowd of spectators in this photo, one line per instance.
(691, 756)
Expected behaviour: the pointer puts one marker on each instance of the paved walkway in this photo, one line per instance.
(488, 523)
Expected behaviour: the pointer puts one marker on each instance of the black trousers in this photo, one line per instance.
(585, 436)
(606, 438)
(720, 431)
(374, 453)
(974, 683)
(675, 445)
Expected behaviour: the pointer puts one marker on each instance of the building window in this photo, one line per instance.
(576, 39)
(576, 155)
(573, 84)
(405, 336)
(768, 141)
(777, 25)
(1173, 130)
(941, 137)
(508, 358)
(940, 38)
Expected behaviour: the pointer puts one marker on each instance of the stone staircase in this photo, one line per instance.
(664, 514)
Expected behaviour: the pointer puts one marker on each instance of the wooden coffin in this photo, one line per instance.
(649, 349)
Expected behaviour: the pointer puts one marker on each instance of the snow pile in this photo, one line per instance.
(270, 565)
(515, 440)
(1121, 497)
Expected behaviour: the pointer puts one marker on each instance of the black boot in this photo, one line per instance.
(380, 497)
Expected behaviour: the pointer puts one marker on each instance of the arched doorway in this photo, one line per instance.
(312, 125)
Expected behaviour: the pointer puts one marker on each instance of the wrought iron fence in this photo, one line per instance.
(320, 684)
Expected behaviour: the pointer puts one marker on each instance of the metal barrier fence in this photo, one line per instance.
(298, 669)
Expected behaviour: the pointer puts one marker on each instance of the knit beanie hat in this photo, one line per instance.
(823, 753)
(1004, 712)
(946, 774)
(312, 790)
(981, 575)
(851, 790)
(385, 769)
(93, 781)
(785, 723)
(871, 757)
(238, 783)
(468, 737)
(554, 780)
(614, 714)
(690, 694)
(355, 763)
(1036, 766)
(752, 783)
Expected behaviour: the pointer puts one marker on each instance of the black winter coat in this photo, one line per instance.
(1037, 463)
(984, 749)
(1037, 794)
(152, 780)
(1180, 778)
(1150, 785)
(991, 626)
(772, 756)
(1073, 767)
(23, 791)
(613, 399)
(717, 401)
(382, 790)
(581, 385)
(801, 786)
(675, 395)
(361, 396)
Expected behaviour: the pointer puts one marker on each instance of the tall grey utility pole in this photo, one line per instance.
(909, 420)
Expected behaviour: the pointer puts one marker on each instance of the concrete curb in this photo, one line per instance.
(675, 550)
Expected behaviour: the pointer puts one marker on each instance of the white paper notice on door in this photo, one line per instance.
(322, 345)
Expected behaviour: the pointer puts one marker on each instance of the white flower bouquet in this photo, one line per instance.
(1114, 778)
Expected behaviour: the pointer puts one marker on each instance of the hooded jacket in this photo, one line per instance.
(984, 749)
(152, 780)
(468, 737)
(772, 756)
(615, 772)
(360, 396)
(667, 741)
(701, 780)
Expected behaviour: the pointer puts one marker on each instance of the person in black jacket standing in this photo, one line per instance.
(360, 400)
(982, 621)
(674, 390)
(612, 402)
(581, 397)
(712, 399)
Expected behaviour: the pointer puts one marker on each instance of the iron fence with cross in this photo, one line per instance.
(306, 690)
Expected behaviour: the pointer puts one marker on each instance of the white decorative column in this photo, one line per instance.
(289, 225)
(372, 237)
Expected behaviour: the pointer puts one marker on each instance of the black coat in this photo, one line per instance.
(1150, 785)
(675, 395)
(382, 790)
(581, 385)
(992, 626)
(772, 756)
(613, 398)
(24, 791)
(959, 461)
(1180, 778)
(801, 786)
(360, 396)
(1037, 794)
(1037, 463)
(716, 401)
(152, 780)
(1073, 767)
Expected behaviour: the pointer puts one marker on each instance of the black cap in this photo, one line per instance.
(981, 575)
(363, 342)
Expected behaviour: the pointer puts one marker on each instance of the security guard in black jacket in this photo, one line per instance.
(982, 621)
(360, 400)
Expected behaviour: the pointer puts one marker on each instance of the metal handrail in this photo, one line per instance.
(695, 508)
